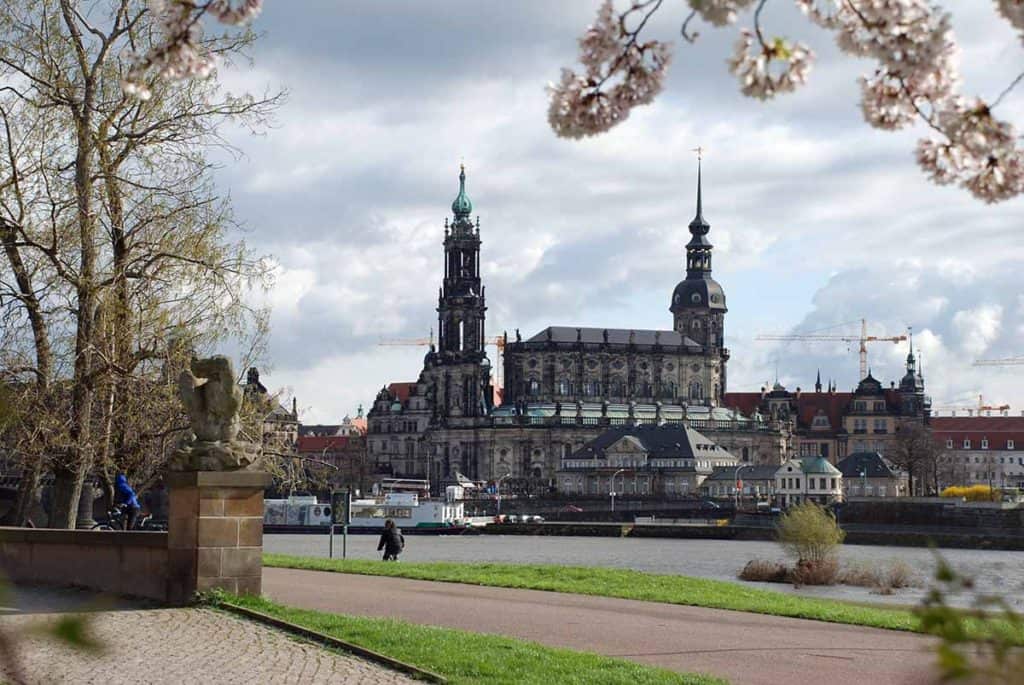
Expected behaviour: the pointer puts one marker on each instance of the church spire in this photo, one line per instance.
(461, 206)
(699, 225)
(817, 383)
(698, 250)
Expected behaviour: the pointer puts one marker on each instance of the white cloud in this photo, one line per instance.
(817, 219)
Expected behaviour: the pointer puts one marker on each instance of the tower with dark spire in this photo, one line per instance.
(461, 358)
(913, 402)
(698, 302)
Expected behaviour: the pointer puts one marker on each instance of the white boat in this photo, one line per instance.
(408, 511)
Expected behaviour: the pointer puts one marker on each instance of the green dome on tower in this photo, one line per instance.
(462, 207)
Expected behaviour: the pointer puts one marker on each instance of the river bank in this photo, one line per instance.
(994, 571)
(856, 533)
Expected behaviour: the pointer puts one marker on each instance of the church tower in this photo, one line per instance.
(463, 370)
(698, 304)
(913, 402)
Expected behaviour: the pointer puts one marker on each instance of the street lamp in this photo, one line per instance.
(612, 493)
(736, 483)
(497, 489)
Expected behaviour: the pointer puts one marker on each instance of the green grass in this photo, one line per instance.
(622, 583)
(468, 658)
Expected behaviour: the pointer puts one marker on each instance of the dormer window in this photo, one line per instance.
(949, 444)
(984, 443)
(967, 443)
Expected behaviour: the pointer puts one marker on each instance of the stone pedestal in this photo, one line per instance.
(215, 532)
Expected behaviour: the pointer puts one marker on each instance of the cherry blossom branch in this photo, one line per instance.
(688, 37)
(1006, 91)
(916, 80)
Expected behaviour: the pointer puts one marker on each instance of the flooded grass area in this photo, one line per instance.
(994, 571)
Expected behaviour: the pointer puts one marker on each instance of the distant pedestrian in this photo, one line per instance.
(391, 541)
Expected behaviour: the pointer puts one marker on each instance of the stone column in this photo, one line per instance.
(215, 532)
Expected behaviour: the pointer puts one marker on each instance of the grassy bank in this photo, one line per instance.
(468, 658)
(622, 583)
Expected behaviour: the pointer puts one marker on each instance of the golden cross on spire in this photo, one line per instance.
(700, 152)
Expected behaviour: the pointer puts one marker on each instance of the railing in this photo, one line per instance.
(598, 421)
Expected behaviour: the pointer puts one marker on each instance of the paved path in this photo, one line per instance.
(145, 645)
(745, 648)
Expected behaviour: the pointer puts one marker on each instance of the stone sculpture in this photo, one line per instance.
(212, 399)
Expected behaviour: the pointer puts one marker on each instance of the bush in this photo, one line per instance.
(809, 533)
(763, 571)
(895, 576)
(822, 572)
(973, 493)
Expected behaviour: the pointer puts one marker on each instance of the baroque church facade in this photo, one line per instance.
(564, 386)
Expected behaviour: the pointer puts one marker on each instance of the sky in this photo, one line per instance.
(818, 220)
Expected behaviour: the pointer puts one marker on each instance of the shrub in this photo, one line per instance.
(809, 533)
(883, 580)
(822, 572)
(973, 493)
(764, 571)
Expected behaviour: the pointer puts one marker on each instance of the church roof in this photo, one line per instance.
(616, 336)
(660, 442)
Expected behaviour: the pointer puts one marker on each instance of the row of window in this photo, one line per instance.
(879, 426)
(988, 460)
(812, 483)
(862, 406)
(618, 389)
(984, 444)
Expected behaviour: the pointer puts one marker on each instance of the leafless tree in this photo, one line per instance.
(116, 243)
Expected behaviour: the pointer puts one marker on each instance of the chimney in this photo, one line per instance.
(764, 391)
(798, 392)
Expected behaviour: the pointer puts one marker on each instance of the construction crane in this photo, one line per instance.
(1008, 361)
(497, 341)
(863, 339)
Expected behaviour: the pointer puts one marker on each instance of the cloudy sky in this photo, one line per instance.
(817, 220)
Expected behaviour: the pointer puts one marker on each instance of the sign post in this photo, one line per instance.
(341, 515)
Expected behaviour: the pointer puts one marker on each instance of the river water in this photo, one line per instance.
(993, 571)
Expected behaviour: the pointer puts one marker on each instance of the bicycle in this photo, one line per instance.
(116, 517)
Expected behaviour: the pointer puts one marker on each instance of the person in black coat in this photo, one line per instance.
(391, 541)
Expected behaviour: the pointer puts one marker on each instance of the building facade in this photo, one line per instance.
(565, 385)
(670, 460)
(810, 479)
(981, 450)
(830, 424)
(868, 474)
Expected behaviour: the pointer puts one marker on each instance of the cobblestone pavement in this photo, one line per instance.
(150, 645)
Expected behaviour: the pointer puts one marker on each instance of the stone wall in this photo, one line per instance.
(944, 512)
(132, 564)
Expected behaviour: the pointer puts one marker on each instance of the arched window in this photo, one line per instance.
(696, 391)
(562, 387)
(695, 325)
(534, 387)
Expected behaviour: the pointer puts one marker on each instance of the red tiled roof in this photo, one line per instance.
(745, 402)
(315, 443)
(402, 390)
(833, 404)
(996, 429)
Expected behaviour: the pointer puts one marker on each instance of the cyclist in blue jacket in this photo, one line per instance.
(126, 496)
